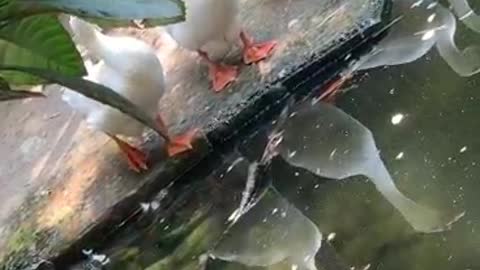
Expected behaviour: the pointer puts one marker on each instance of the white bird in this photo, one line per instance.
(131, 68)
(210, 28)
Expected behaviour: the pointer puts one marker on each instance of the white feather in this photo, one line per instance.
(210, 26)
(129, 67)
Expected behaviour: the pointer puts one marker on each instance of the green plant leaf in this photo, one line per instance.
(94, 91)
(40, 42)
(163, 11)
(18, 94)
(6, 93)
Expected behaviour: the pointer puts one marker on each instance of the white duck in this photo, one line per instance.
(210, 28)
(131, 68)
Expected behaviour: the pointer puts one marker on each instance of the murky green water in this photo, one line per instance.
(424, 118)
(432, 154)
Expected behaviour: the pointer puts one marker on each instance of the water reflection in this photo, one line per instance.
(272, 232)
(465, 13)
(423, 24)
(330, 143)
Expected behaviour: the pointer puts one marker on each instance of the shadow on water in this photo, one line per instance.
(381, 183)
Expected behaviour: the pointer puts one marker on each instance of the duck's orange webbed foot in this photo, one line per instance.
(182, 143)
(177, 144)
(256, 52)
(137, 159)
(221, 75)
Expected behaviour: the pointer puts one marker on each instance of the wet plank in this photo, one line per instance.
(61, 182)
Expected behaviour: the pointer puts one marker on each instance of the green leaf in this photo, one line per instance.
(17, 94)
(94, 91)
(6, 93)
(40, 42)
(162, 11)
(15, 9)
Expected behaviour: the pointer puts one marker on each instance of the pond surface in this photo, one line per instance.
(417, 124)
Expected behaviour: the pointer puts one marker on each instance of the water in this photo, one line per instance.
(423, 119)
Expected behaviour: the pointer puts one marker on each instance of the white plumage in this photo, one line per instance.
(210, 25)
(128, 66)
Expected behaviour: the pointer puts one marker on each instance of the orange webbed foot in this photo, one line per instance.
(222, 75)
(329, 95)
(182, 143)
(256, 52)
(137, 159)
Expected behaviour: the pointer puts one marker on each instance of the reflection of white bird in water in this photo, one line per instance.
(330, 143)
(465, 14)
(419, 25)
(273, 231)
(131, 68)
(422, 25)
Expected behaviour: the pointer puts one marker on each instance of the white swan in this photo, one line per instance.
(330, 143)
(210, 28)
(131, 68)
